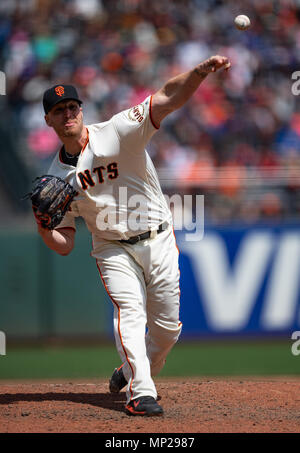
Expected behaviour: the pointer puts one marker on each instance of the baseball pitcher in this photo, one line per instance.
(104, 174)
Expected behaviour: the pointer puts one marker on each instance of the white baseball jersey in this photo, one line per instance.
(119, 192)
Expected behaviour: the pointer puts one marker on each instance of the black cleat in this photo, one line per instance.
(117, 381)
(145, 405)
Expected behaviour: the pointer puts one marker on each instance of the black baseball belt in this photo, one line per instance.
(149, 234)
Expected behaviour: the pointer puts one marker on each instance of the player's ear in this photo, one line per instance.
(47, 119)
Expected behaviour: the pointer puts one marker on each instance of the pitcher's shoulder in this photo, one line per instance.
(96, 127)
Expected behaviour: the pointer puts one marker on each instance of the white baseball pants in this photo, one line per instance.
(142, 281)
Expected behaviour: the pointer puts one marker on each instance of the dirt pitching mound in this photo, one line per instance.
(190, 405)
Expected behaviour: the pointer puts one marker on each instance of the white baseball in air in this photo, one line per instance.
(242, 22)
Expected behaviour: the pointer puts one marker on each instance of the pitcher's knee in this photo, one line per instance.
(174, 333)
(167, 333)
(160, 343)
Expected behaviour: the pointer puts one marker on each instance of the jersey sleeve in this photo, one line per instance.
(135, 126)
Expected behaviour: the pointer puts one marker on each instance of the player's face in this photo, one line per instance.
(66, 118)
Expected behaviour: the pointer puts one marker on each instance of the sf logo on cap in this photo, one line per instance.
(59, 90)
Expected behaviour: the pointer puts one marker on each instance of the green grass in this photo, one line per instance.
(232, 359)
(58, 362)
(186, 359)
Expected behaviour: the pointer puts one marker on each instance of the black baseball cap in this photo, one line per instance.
(57, 94)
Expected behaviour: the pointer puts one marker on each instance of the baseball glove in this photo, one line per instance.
(51, 197)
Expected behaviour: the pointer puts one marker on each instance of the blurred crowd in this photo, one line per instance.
(237, 141)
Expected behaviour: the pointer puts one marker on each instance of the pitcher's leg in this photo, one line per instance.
(124, 283)
(163, 300)
(161, 337)
(129, 331)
